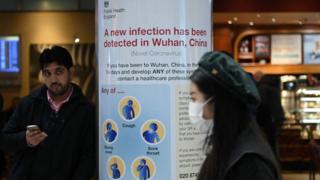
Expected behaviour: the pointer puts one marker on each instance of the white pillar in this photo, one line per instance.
(146, 50)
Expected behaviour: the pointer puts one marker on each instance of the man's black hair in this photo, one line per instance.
(56, 54)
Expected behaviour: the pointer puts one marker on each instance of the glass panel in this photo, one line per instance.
(6, 5)
(87, 4)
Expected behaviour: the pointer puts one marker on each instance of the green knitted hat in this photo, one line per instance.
(229, 74)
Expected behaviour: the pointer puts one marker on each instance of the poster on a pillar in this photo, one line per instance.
(147, 49)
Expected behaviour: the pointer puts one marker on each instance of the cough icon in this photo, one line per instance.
(129, 108)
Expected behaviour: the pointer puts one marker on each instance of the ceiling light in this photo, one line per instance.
(229, 22)
(235, 18)
(251, 23)
(76, 40)
(273, 20)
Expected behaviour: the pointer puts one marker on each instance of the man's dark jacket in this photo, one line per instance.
(68, 153)
(270, 114)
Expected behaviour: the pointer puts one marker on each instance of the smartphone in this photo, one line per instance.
(33, 128)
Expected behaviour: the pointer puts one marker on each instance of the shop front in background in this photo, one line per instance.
(293, 58)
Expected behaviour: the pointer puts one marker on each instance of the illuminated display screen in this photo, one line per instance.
(311, 48)
(9, 54)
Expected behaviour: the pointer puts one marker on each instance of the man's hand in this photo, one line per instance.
(35, 138)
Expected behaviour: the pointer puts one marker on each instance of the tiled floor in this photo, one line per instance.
(298, 176)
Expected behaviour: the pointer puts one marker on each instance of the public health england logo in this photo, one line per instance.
(106, 4)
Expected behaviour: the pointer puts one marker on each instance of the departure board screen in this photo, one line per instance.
(9, 54)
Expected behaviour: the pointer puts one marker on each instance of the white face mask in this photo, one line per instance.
(196, 116)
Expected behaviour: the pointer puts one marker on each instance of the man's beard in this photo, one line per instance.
(60, 91)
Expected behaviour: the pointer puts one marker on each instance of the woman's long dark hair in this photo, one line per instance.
(231, 116)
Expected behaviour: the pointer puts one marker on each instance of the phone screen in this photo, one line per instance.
(33, 128)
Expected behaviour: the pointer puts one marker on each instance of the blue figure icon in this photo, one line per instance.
(110, 134)
(128, 111)
(151, 135)
(143, 169)
(115, 171)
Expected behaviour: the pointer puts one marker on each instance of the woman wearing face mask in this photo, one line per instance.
(223, 101)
